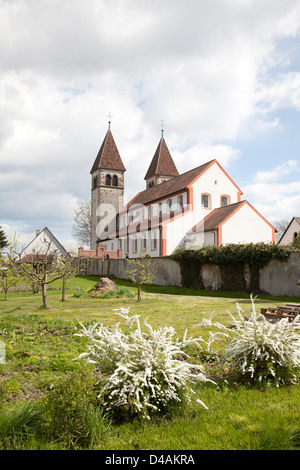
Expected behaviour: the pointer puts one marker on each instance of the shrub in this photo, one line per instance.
(141, 373)
(259, 350)
(119, 293)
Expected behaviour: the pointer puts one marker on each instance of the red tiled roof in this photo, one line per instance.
(169, 187)
(162, 163)
(108, 156)
(37, 258)
(217, 217)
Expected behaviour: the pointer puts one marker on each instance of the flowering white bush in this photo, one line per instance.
(258, 349)
(141, 372)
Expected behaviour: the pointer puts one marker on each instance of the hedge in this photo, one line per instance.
(231, 259)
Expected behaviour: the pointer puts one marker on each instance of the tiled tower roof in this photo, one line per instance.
(108, 156)
(162, 163)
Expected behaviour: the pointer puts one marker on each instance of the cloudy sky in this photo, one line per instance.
(223, 75)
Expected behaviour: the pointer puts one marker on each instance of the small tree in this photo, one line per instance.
(9, 271)
(69, 267)
(46, 268)
(141, 272)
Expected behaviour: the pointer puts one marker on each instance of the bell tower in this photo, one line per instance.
(162, 167)
(107, 186)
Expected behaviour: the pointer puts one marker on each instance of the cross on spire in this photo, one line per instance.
(109, 122)
(162, 128)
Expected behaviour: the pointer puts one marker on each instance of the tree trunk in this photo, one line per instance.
(44, 294)
(63, 296)
(139, 293)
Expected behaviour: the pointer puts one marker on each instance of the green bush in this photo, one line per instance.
(118, 293)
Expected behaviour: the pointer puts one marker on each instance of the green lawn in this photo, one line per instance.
(41, 347)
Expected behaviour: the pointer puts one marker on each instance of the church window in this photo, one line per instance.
(144, 243)
(225, 200)
(108, 180)
(134, 245)
(154, 244)
(205, 201)
(180, 203)
(95, 182)
(115, 180)
(170, 205)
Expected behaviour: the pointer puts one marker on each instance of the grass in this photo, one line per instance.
(47, 400)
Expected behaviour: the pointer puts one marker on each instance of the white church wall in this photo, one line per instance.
(246, 226)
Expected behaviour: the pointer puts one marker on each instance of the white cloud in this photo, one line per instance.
(275, 193)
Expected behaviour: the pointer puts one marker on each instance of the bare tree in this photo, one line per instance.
(82, 227)
(45, 267)
(280, 227)
(10, 273)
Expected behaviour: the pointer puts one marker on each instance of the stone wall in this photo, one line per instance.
(276, 278)
(168, 271)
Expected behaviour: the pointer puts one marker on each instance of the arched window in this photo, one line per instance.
(108, 180)
(115, 180)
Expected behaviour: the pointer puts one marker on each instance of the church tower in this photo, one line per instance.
(107, 187)
(162, 167)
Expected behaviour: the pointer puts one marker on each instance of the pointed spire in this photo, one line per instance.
(108, 156)
(162, 163)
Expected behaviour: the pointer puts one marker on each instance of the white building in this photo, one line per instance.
(43, 243)
(291, 232)
(201, 206)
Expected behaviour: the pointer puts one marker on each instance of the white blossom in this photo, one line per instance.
(141, 371)
(258, 348)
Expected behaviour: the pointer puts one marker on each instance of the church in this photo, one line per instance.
(202, 206)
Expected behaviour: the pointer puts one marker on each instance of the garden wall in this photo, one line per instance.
(276, 278)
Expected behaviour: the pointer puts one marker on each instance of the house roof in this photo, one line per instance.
(217, 217)
(169, 187)
(37, 258)
(162, 163)
(52, 237)
(108, 156)
(297, 219)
